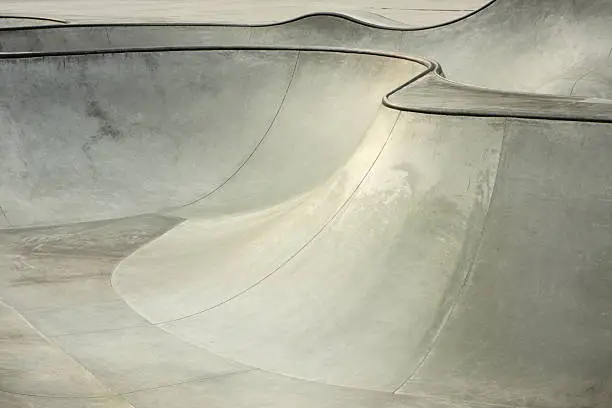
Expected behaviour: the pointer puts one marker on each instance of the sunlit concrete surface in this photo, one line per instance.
(408, 12)
(324, 212)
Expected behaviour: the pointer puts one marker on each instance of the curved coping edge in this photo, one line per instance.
(342, 15)
(18, 17)
(437, 73)
(432, 68)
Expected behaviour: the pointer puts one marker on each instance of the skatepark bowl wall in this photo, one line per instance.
(196, 216)
(559, 47)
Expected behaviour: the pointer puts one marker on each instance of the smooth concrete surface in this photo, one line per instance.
(342, 313)
(222, 106)
(403, 12)
(540, 280)
(301, 227)
(559, 47)
(436, 94)
(547, 46)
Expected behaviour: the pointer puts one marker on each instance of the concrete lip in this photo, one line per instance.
(9, 21)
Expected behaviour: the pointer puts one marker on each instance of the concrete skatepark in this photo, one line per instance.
(338, 210)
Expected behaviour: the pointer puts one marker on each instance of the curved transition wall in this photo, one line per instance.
(353, 279)
(470, 263)
(111, 135)
(314, 247)
(559, 47)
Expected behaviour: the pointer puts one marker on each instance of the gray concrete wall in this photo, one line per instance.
(556, 47)
(105, 136)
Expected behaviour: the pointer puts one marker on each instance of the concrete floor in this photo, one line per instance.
(245, 227)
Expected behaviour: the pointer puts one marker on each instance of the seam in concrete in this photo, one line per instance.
(420, 9)
(84, 255)
(480, 404)
(111, 394)
(66, 397)
(259, 143)
(305, 245)
(58, 308)
(144, 325)
(466, 279)
(196, 380)
(343, 387)
(578, 80)
(155, 237)
(96, 397)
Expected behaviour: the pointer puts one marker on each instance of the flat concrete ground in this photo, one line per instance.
(409, 12)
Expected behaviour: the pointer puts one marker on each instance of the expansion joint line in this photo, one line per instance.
(70, 356)
(571, 93)
(466, 278)
(259, 142)
(307, 243)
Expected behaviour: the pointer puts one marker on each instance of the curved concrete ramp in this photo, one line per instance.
(559, 47)
(130, 133)
(406, 289)
(298, 227)
(361, 294)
